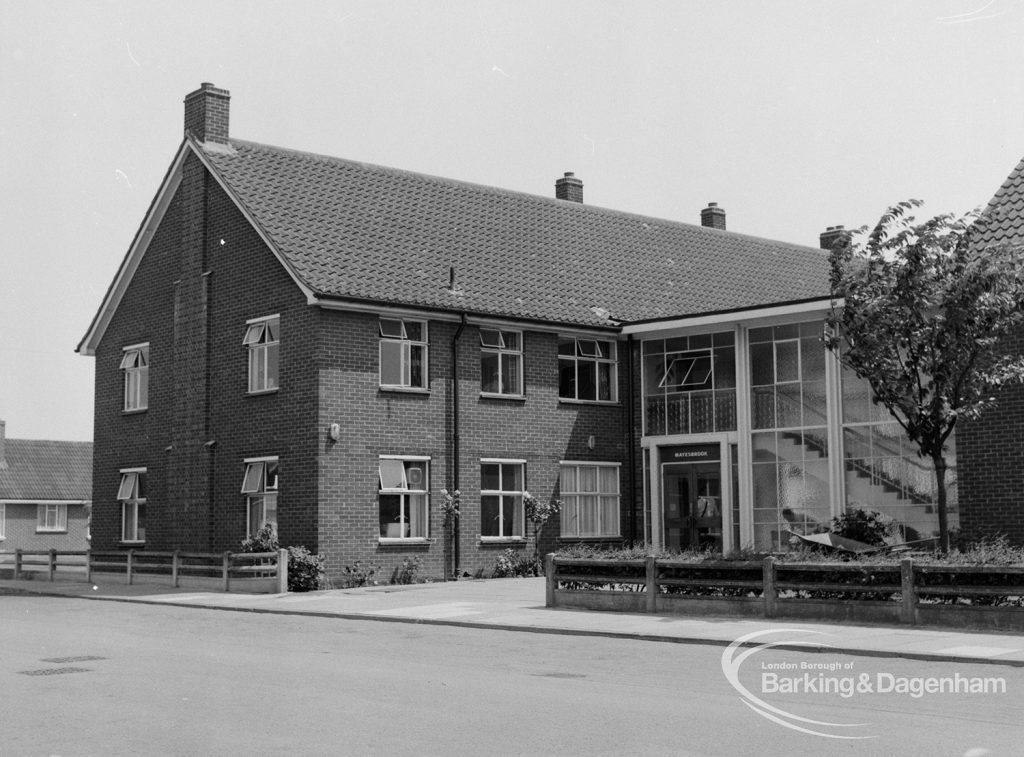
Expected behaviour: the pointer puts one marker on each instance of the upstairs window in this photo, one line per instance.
(586, 369)
(135, 364)
(262, 341)
(403, 354)
(403, 497)
(132, 495)
(52, 517)
(501, 362)
(260, 484)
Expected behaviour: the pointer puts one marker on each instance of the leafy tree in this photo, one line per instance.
(919, 313)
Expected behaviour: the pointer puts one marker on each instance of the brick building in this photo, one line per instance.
(326, 345)
(45, 494)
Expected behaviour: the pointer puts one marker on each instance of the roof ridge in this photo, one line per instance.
(501, 191)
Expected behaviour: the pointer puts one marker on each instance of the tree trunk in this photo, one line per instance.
(940, 480)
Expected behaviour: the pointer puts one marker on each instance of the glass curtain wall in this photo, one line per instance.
(690, 384)
(789, 433)
(882, 469)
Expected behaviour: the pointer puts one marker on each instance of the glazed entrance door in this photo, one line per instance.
(692, 498)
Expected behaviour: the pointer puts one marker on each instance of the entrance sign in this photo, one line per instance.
(692, 453)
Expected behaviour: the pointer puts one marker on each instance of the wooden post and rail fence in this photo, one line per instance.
(245, 571)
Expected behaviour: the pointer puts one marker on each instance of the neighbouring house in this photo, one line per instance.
(45, 494)
(326, 345)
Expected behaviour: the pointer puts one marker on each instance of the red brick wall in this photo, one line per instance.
(539, 429)
(990, 461)
(190, 299)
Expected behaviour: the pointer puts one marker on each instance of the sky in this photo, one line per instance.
(792, 115)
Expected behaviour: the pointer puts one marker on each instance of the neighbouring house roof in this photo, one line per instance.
(46, 470)
(1005, 211)
(351, 230)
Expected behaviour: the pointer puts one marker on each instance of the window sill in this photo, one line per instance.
(405, 389)
(588, 538)
(262, 392)
(606, 403)
(132, 543)
(134, 410)
(384, 541)
(51, 530)
(502, 540)
(499, 396)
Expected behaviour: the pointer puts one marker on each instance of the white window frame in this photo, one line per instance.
(502, 493)
(586, 351)
(260, 341)
(389, 335)
(569, 515)
(127, 488)
(3, 521)
(135, 364)
(57, 524)
(260, 483)
(497, 344)
(405, 489)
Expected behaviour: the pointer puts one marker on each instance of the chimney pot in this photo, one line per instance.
(569, 188)
(831, 236)
(206, 113)
(713, 217)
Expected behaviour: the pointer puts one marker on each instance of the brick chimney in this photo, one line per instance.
(713, 217)
(832, 235)
(206, 113)
(569, 188)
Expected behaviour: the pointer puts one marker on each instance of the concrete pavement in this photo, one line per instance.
(518, 605)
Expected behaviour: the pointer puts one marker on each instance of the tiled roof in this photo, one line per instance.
(37, 469)
(365, 232)
(1006, 211)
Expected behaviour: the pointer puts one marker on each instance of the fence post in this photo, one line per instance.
(282, 571)
(88, 566)
(174, 568)
(909, 592)
(52, 564)
(550, 584)
(227, 571)
(128, 566)
(17, 564)
(771, 596)
(651, 586)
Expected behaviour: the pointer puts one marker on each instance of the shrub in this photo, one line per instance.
(867, 526)
(305, 570)
(358, 575)
(406, 572)
(513, 564)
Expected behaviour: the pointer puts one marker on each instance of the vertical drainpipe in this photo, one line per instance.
(455, 435)
(631, 451)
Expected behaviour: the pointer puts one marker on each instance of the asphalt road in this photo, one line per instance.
(166, 680)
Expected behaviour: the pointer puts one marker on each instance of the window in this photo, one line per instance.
(260, 485)
(404, 485)
(52, 517)
(132, 495)
(403, 354)
(590, 498)
(689, 384)
(263, 342)
(3, 519)
(502, 483)
(586, 369)
(501, 362)
(135, 364)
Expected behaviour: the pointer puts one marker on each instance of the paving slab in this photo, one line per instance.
(518, 604)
